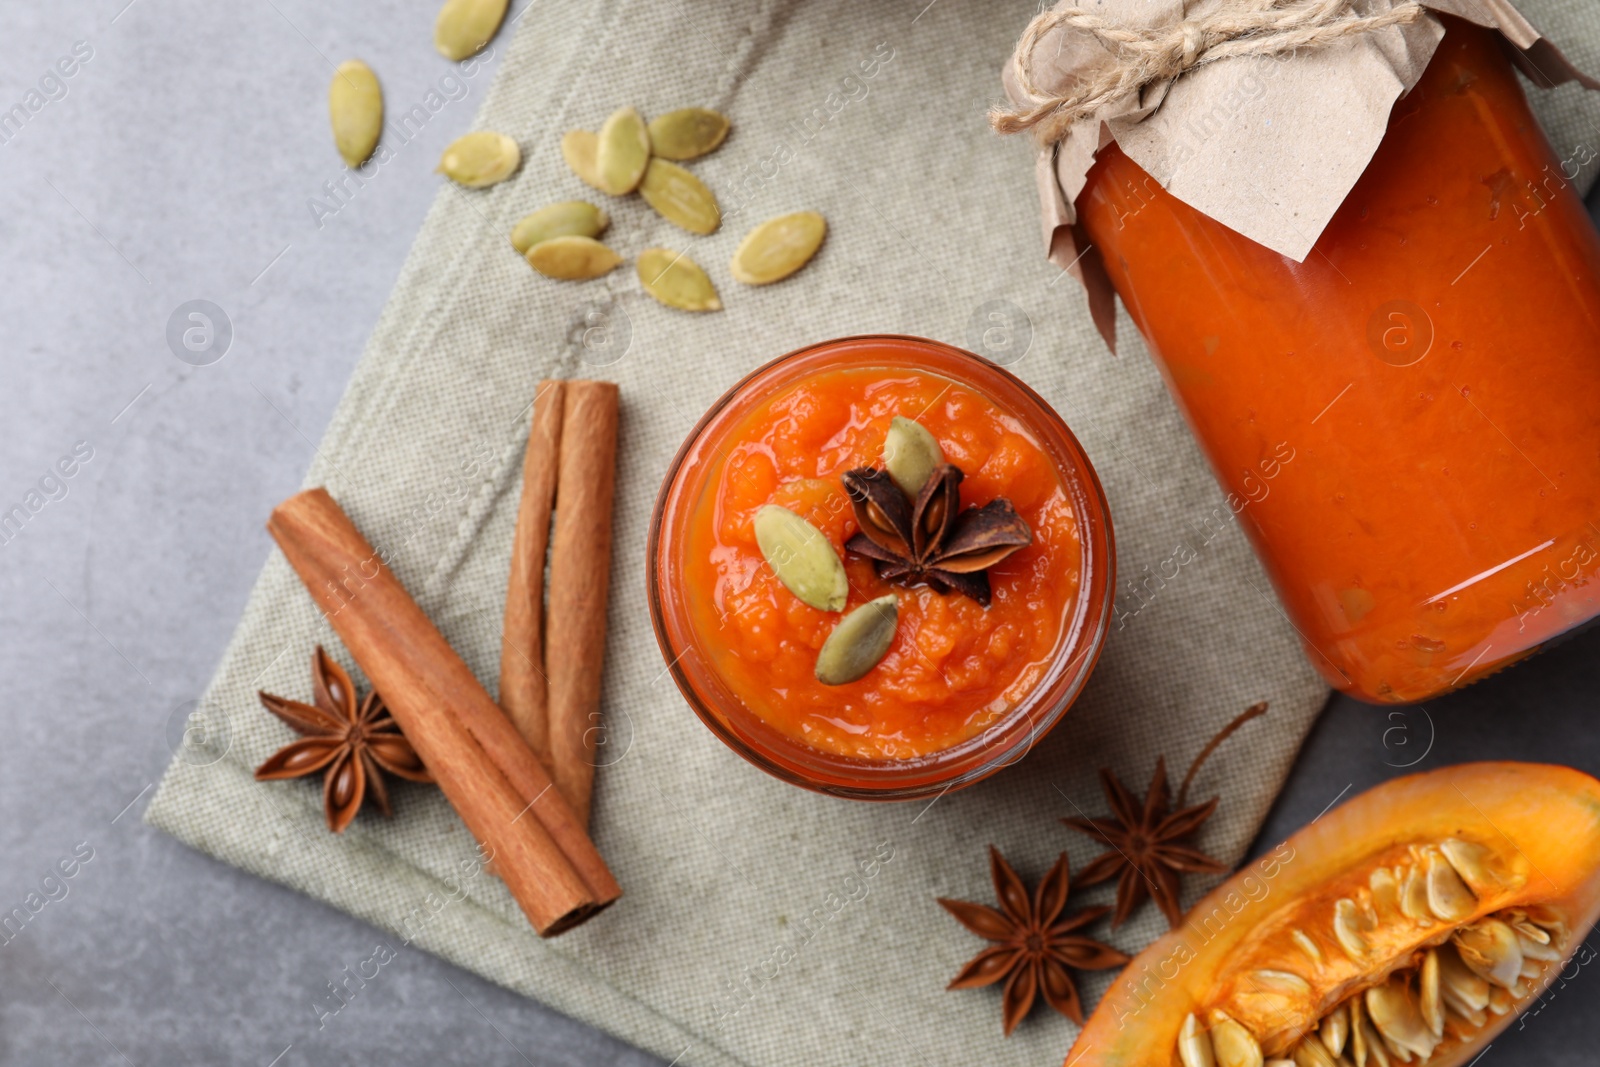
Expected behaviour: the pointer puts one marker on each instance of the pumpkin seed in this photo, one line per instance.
(1385, 892)
(465, 26)
(688, 133)
(1349, 926)
(676, 280)
(1397, 1017)
(778, 247)
(355, 105)
(481, 159)
(1491, 950)
(1533, 949)
(1478, 866)
(578, 148)
(1234, 1045)
(1448, 896)
(1335, 1030)
(623, 152)
(1303, 942)
(1194, 1045)
(568, 218)
(1428, 994)
(803, 560)
(1463, 989)
(572, 258)
(1414, 896)
(680, 197)
(859, 642)
(910, 454)
(1311, 1052)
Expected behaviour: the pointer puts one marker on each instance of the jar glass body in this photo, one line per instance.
(693, 478)
(1407, 424)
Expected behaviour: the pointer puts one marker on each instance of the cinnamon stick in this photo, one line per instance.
(481, 763)
(580, 576)
(523, 690)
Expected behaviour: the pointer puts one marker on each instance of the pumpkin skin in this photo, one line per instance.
(1530, 833)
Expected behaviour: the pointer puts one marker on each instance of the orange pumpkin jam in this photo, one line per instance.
(1430, 369)
(955, 668)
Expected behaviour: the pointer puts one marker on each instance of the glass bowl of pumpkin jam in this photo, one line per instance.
(880, 567)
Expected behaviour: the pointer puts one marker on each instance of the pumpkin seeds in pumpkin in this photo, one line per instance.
(481, 159)
(911, 455)
(680, 197)
(623, 152)
(465, 26)
(801, 557)
(778, 247)
(572, 258)
(859, 642)
(676, 280)
(570, 218)
(687, 133)
(355, 106)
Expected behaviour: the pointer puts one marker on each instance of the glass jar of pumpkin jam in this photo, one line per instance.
(1432, 368)
(964, 688)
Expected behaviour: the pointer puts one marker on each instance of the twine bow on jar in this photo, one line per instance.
(1142, 56)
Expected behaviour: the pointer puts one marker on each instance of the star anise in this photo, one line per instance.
(1035, 946)
(1149, 853)
(354, 746)
(930, 538)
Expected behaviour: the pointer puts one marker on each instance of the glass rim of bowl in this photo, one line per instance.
(1003, 743)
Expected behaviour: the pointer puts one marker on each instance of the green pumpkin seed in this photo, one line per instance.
(802, 558)
(687, 133)
(355, 105)
(676, 280)
(578, 148)
(465, 26)
(680, 197)
(480, 159)
(572, 258)
(778, 247)
(910, 454)
(568, 218)
(623, 152)
(859, 642)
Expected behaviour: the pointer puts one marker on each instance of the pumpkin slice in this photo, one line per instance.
(1411, 924)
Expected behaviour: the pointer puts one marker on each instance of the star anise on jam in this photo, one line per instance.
(930, 538)
(1149, 841)
(1036, 948)
(352, 744)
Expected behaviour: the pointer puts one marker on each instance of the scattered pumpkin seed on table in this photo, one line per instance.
(623, 152)
(570, 218)
(481, 159)
(680, 197)
(687, 133)
(802, 558)
(355, 107)
(572, 258)
(859, 642)
(578, 148)
(465, 26)
(778, 247)
(676, 280)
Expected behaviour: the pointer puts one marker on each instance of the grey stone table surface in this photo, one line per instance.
(177, 161)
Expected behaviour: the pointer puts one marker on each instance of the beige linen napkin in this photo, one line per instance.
(761, 923)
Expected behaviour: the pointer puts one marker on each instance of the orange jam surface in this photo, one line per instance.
(955, 668)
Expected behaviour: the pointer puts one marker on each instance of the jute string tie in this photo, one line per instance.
(1142, 56)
